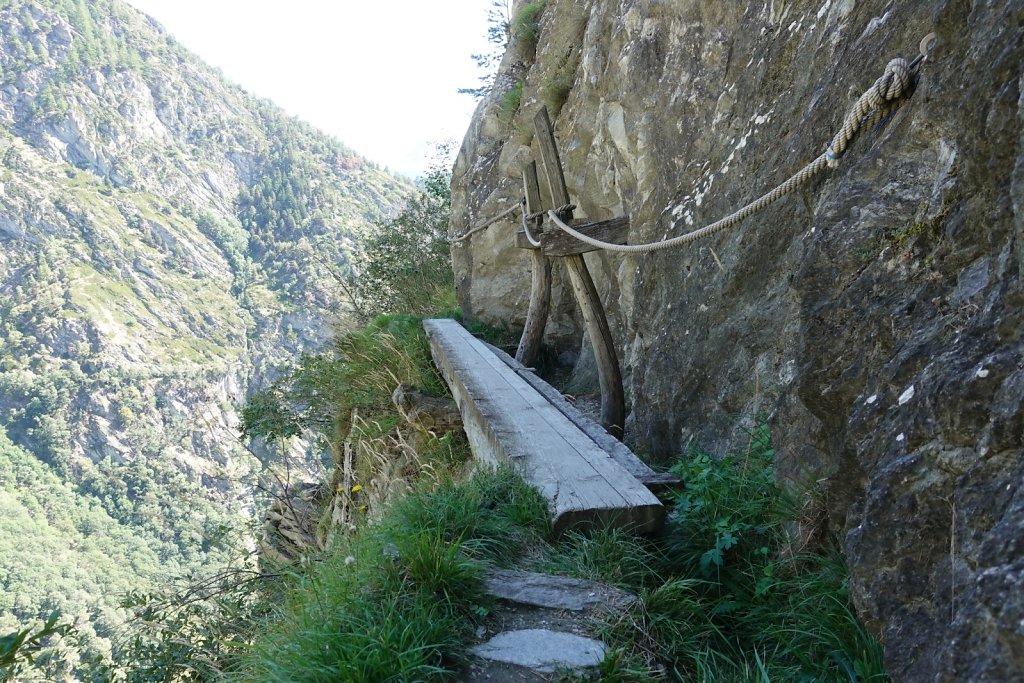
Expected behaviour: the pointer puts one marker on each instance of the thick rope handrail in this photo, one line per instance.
(876, 102)
(486, 223)
(795, 181)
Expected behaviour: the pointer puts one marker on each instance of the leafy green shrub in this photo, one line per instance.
(728, 515)
(192, 634)
(724, 594)
(405, 265)
(317, 396)
(19, 649)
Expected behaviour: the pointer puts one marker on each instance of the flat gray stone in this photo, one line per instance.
(553, 592)
(542, 650)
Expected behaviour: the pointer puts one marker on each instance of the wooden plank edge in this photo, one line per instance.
(627, 459)
(643, 519)
(647, 518)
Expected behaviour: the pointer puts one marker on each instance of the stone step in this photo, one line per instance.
(553, 592)
(542, 651)
(541, 625)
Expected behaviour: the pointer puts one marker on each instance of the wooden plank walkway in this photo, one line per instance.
(656, 481)
(508, 420)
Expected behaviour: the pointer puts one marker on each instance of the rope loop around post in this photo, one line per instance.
(526, 228)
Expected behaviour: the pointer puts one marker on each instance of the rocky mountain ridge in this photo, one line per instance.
(166, 241)
(873, 320)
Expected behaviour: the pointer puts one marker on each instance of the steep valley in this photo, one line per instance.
(166, 241)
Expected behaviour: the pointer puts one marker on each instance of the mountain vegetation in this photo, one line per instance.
(167, 241)
(175, 254)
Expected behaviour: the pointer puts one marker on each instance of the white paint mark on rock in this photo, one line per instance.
(906, 395)
(900, 437)
(787, 373)
(871, 399)
(982, 372)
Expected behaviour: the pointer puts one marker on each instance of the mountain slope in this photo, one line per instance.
(166, 240)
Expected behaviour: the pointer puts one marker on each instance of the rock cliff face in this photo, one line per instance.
(166, 241)
(165, 238)
(874, 319)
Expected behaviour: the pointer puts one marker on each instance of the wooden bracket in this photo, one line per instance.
(555, 242)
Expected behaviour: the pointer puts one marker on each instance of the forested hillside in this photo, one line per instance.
(166, 241)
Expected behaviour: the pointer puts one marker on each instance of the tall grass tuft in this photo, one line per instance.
(727, 596)
(396, 600)
(526, 23)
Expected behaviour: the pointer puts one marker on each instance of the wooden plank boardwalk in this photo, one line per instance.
(508, 420)
(626, 458)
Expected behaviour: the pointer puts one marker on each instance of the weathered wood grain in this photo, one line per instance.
(549, 159)
(540, 290)
(656, 481)
(507, 420)
(555, 242)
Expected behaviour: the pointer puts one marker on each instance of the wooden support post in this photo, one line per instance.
(540, 292)
(613, 404)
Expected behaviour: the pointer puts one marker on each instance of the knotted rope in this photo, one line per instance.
(885, 94)
(877, 101)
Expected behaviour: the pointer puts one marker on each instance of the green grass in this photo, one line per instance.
(510, 101)
(557, 83)
(395, 601)
(726, 596)
(526, 23)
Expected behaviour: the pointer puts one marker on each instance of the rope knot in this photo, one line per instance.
(894, 81)
(892, 85)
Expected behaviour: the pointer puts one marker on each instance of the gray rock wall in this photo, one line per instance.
(873, 319)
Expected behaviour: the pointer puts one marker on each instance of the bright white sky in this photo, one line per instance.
(380, 75)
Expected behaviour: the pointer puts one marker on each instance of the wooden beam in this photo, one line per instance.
(540, 289)
(655, 481)
(613, 404)
(555, 242)
(507, 420)
(549, 159)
